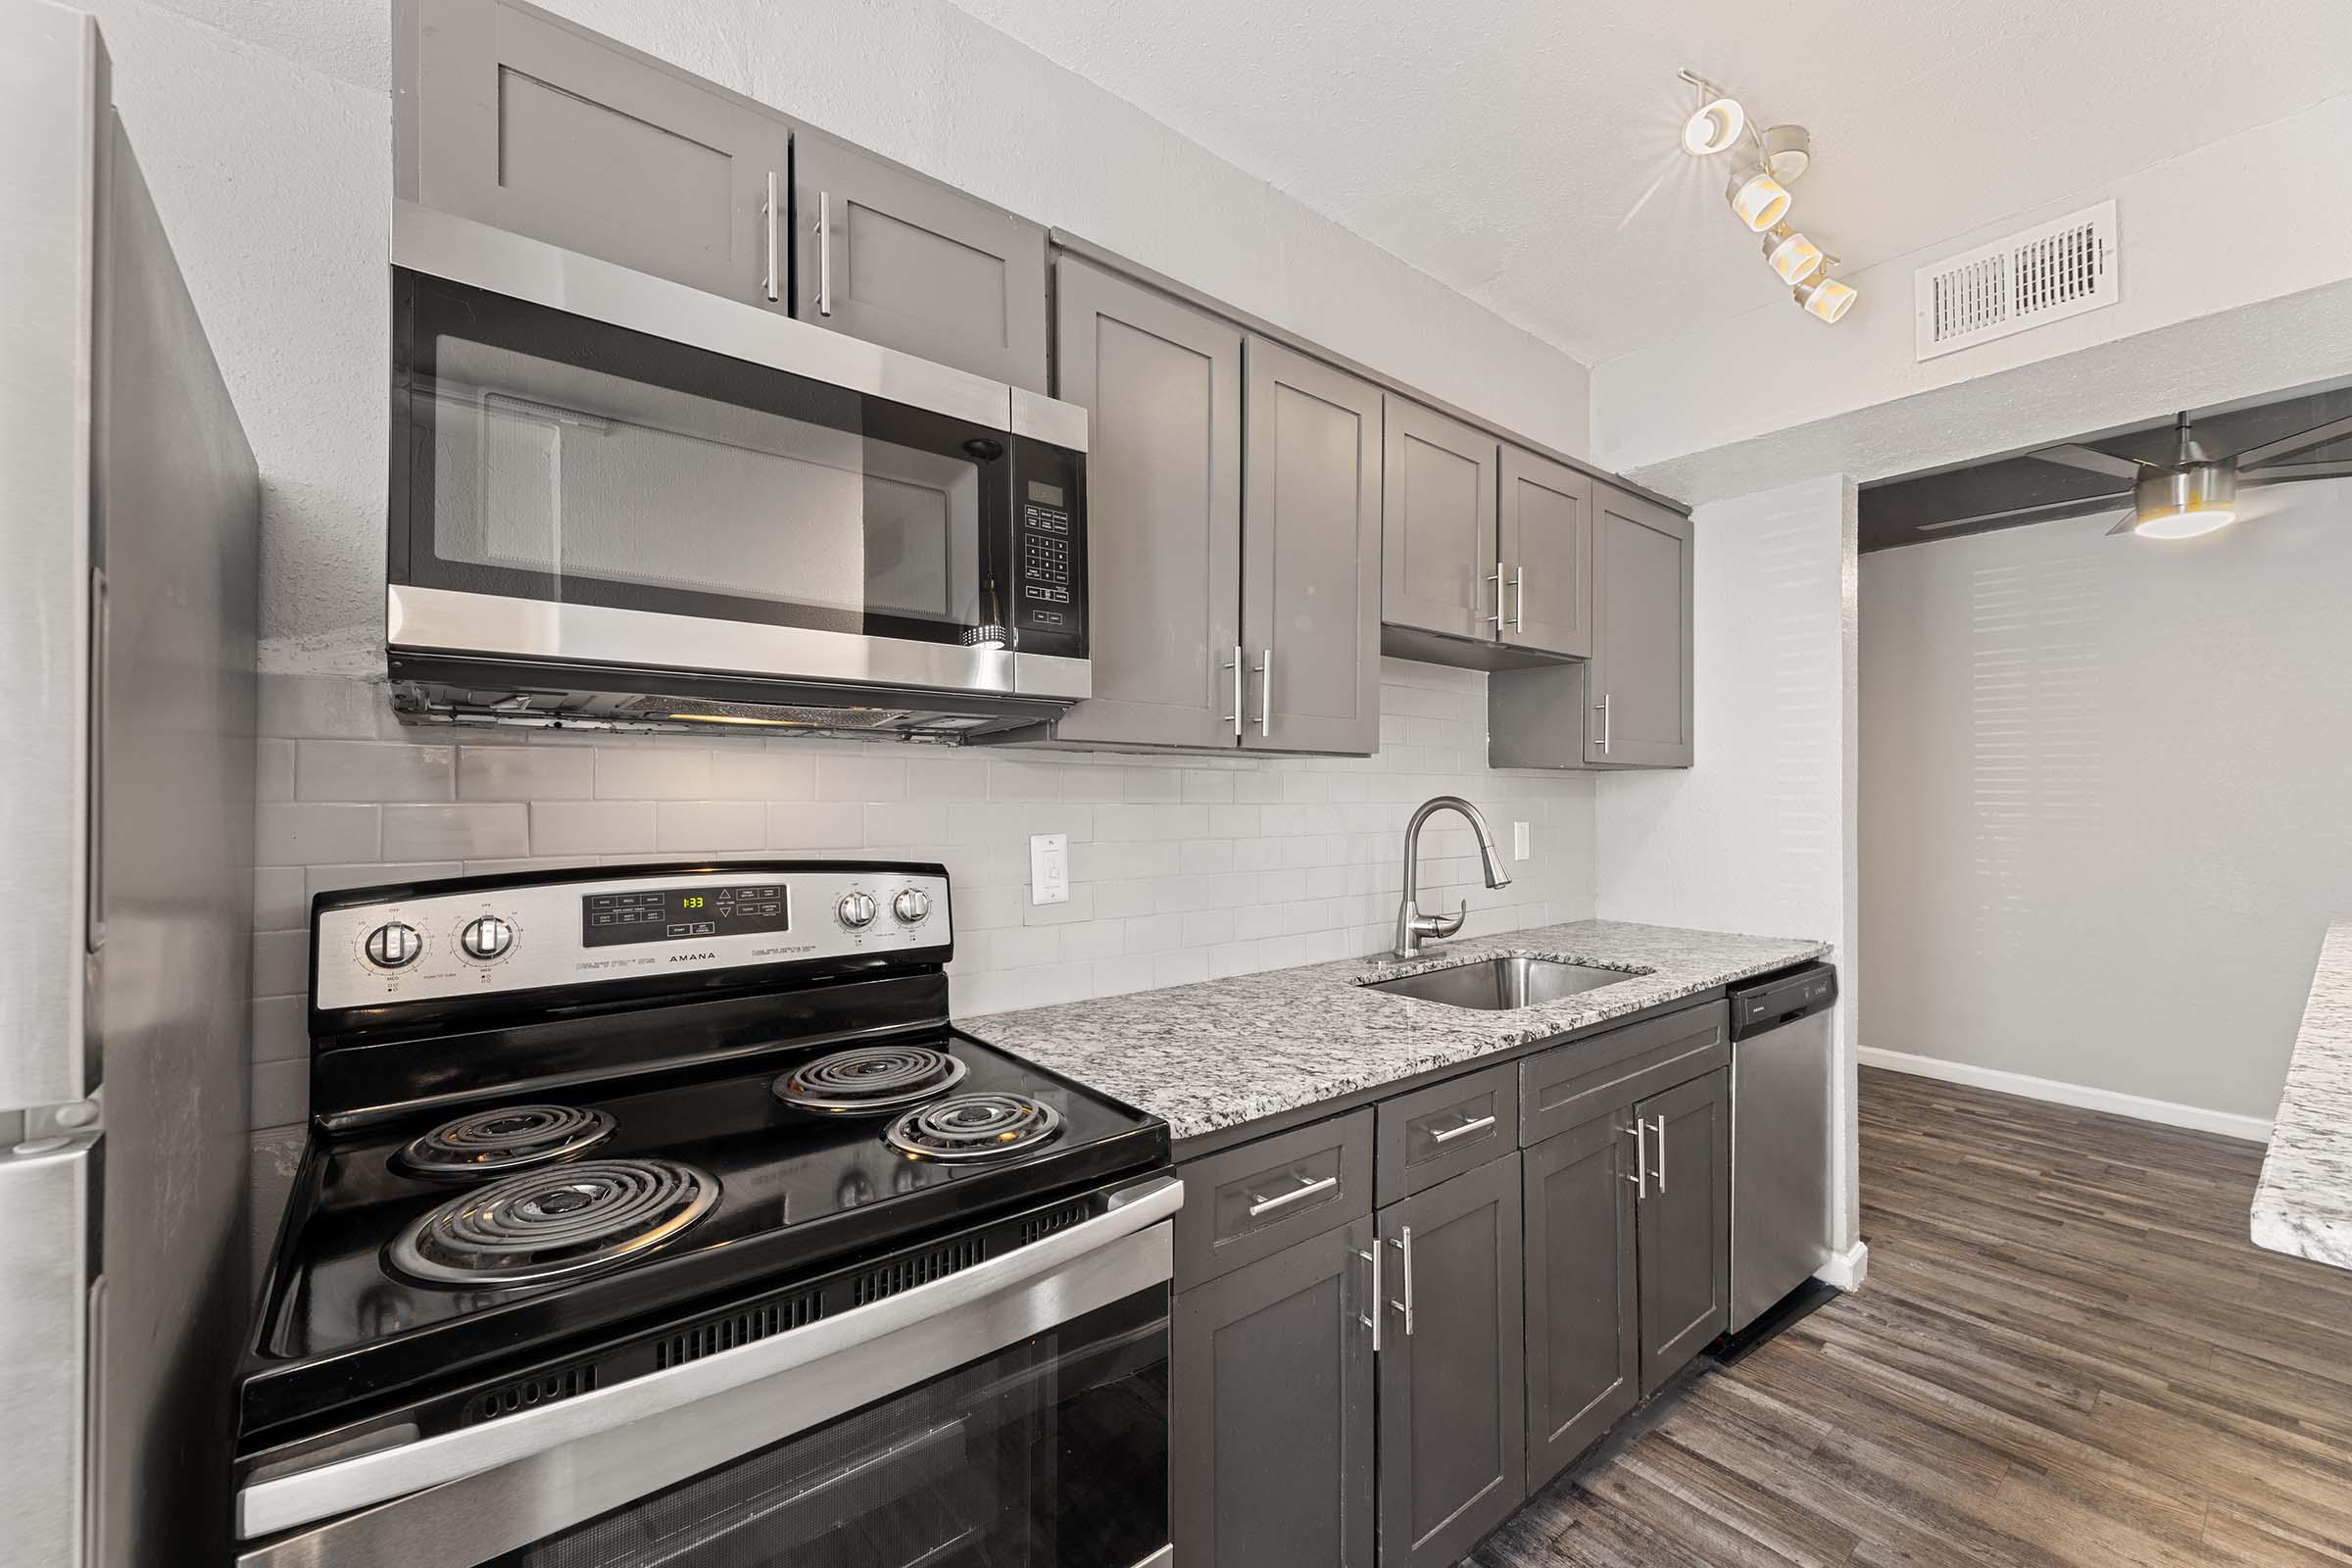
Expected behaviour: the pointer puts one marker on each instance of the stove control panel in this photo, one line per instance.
(428, 945)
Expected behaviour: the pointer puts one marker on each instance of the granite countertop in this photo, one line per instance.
(2304, 1204)
(1221, 1052)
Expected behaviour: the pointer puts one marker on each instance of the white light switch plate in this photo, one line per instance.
(1048, 869)
(1519, 841)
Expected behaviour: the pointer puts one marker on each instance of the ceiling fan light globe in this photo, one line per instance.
(2183, 503)
(1713, 127)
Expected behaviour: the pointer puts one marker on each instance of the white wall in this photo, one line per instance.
(2104, 801)
(1758, 835)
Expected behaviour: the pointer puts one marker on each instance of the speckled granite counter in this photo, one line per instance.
(2304, 1204)
(1220, 1053)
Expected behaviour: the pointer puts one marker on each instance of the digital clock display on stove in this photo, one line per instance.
(680, 915)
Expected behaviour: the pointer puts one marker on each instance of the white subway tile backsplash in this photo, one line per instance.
(273, 770)
(651, 773)
(373, 771)
(740, 773)
(704, 825)
(280, 1093)
(858, 776)
(373, 873)
(282, 963)
(279, 903)
(815, 824)
(525, 773)
(280, 1029)
(591, 827)
(475, 830)
(299, 833)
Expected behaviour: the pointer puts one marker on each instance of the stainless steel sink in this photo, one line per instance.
(1501, 984)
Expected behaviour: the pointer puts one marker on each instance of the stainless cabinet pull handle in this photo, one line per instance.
(1371, 1320)
(1464, 1130)
(1519, 587)
(1404, 1245)
(1265, 693)
(1662, 1151)
(1267, 1205)
(1497, 616)
(1235, 664)
(1602, 709)
(767, 211)
(824, 253)
(1641, 1176)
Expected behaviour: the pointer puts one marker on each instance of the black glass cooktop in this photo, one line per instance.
(796, 1190)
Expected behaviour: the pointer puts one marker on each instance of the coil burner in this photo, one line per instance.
(869, 1081)
(974, 1127)
(511, 1138)
(551, 1224)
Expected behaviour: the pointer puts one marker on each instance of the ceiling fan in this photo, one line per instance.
(2198, 491)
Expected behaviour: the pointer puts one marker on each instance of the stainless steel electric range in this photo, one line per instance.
(659, 1216)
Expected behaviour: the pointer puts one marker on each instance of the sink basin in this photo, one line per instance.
(1501, 984)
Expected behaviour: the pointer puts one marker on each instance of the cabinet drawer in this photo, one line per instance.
(1443, 1130)
(1570, 1084)
(1242, 1204)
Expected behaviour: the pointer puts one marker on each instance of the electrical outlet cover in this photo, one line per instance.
(1048, 869)
(1519, 841)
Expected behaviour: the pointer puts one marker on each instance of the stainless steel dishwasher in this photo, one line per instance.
(1783, 1049)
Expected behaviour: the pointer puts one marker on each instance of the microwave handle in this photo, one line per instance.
(768, 1389)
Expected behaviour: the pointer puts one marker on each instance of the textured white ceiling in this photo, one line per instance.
(1496, 145)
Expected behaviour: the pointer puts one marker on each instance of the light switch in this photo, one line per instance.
(1519, 837)
(1048, 869)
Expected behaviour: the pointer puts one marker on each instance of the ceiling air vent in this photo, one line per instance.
(2045, 273)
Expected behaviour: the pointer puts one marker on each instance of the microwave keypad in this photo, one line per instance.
(1045, 559)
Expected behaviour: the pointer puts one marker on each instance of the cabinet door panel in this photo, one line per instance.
(1271, 1425)
(1437, 534)
(1453, 1390)
(1686, 1224)
(885, 254)
(1583, 1343)
(1639, 685)
(515, 120)
(1161, 384)
(1546, 554)
(1310, 599)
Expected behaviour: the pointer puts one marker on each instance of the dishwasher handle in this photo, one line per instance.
(1782, 999)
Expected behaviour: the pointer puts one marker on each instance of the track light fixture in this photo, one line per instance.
(1771, 160)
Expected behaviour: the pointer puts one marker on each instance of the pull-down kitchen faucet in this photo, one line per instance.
(1411, 924)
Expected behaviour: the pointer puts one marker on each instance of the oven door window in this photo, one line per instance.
(550, 457)
(1051, 1454)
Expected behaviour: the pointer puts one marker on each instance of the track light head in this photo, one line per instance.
(1793, 256)
(1713, 126)
(1824, 297)
(1760, 200)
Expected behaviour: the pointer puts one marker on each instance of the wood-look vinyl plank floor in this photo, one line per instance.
(2067, 1355)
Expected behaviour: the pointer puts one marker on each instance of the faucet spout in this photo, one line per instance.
(1412, 926)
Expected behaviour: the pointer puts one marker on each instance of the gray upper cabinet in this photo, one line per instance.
(1545, 554)
(1161, 384)
(1452, 1391)
(1271, 1428)
(1640, 690)
(1310, 579)
(511, 117)
(1583, 1343)
(882, 253)
(1438, 570)
(1685, 1223)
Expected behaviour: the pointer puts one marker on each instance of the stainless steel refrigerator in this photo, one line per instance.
(127, 539)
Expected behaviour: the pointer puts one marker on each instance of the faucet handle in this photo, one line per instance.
(1445, 925)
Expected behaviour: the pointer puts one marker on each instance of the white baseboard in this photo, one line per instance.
(1848, 1269)
(2170, 1113)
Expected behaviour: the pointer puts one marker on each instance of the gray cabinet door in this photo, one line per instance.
(1685, 1224)
(1583, 1343)
(1639, 688)
(1310, 579)
(1546, 554)
(1271, 1427)
(507, 115)
(1437, 534)
(1452, 1394)
(1161, 384)
(888, 255)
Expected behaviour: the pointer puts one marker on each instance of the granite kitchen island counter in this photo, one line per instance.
(1221, 1052)
(2304, 1202)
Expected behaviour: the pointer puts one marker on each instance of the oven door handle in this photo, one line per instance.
(749, 1398)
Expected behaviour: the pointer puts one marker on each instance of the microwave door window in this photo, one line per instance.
(590, 480)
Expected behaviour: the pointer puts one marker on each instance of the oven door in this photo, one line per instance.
(1014, 1416)
(656, 477)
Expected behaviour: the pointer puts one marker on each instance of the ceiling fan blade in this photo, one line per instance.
(2046, 511)
(2090, 458)
(2301, 440)
(2288, 473)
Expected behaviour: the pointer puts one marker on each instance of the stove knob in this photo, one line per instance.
(911, 905)
(857, 910)
(486, 938)
(394, 946)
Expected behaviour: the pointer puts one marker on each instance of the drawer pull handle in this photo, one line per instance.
(1662, 1151)
(1371, 1320)
(1641, 1178)
(1463, 1131)
(1404, 1243)
(1267, 1205)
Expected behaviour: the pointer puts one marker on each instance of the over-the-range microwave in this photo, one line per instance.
(617, 499)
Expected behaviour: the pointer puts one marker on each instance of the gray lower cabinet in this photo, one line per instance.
(1438, 571)
(1685, 1223)
(1271, 1430)
(1161, 384)
(515, 119)
(884, 254)
(1584, 1335)
(1639, 693)
(1310, 554)
(1452, 1391)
